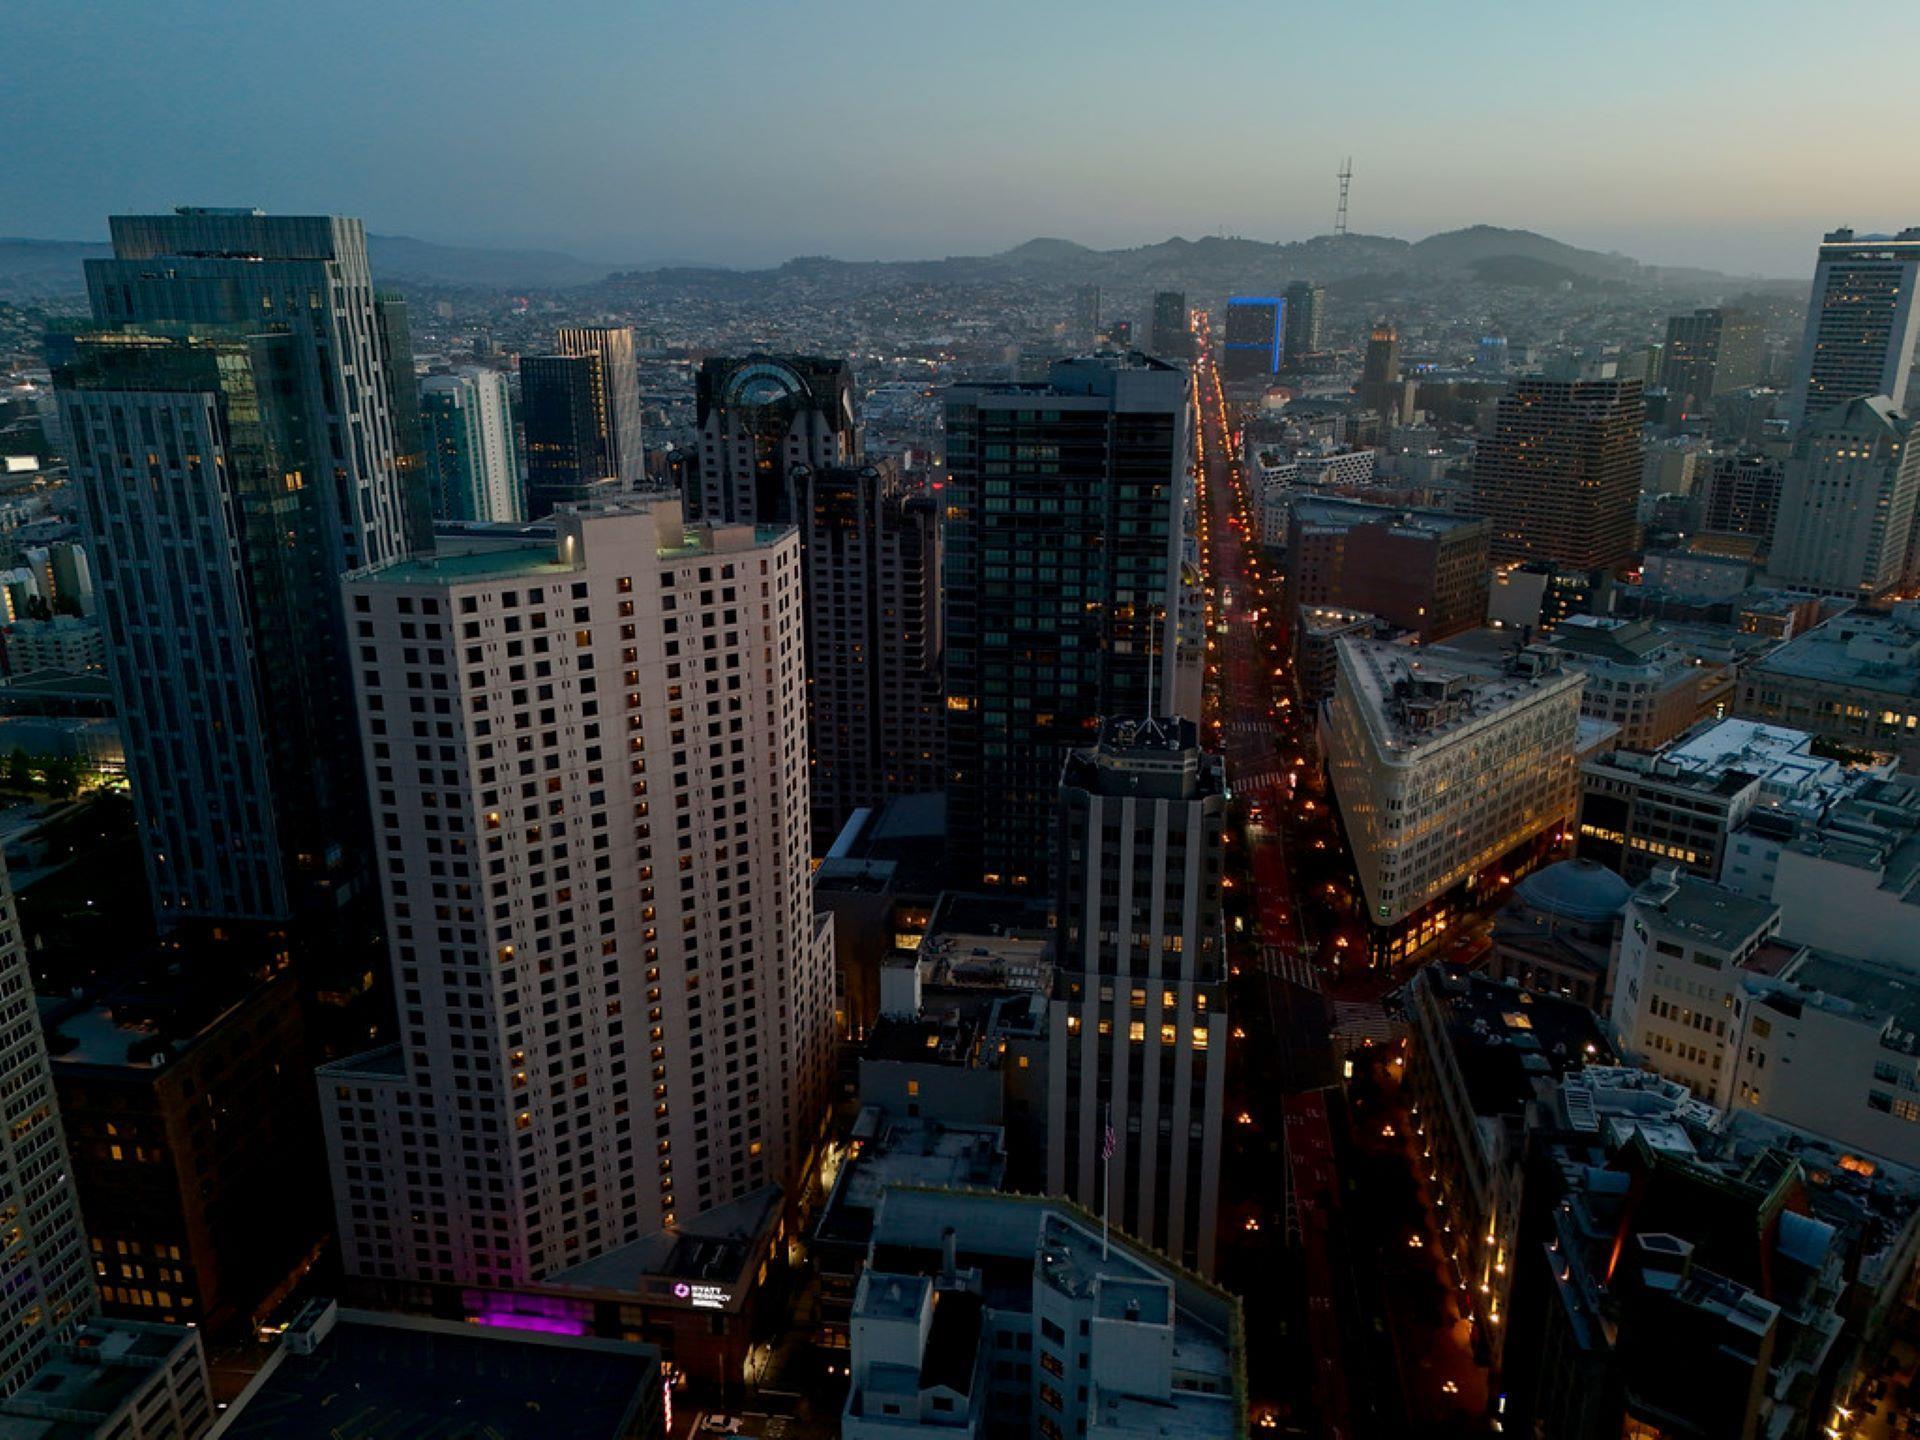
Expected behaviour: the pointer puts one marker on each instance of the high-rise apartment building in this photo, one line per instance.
(1848, 502)
(1741, 491)
(588, 760)
(1443, 769)
(1863, 322)
(1172, 335)
(563, 409)
(472, 458)
(49, 1273)
(1559, 476)
(1709, 352)
(1381, 388)
(1255, 333)
(1065, 537)
(233, 447)
(1306, 305)
(1138, 1020)
(759, 416)
(625, 439)
(877, 709)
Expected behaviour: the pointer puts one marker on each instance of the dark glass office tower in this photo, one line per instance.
(1306, 308)
(234, 445)
(1172, 336)
(875, 705)
(1063, 545)
(759, 416)
(563, 405)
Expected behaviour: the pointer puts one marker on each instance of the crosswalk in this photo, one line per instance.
(1294, 968)
(1259, 780)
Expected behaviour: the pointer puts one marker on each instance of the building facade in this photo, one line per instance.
(51, 1290)
(1424, 571)
(624, 439)
(563, 409)
(1863, 322)
(876, 701)
(233, 443)
(1711, 351)
(1254, 338)
(1065, 542)
(1854, 680)
(472, 456)
(588, 754)
(759, 417)
(1740, 493)
(1443, 770)
(1172, 333)
(1306, 319)
(1559, 475)
(1138, 1021)
(1848, 502)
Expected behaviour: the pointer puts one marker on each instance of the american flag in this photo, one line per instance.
(1107, 1141)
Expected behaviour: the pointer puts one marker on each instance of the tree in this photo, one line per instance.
(63, 776)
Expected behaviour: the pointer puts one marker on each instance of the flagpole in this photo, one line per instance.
(1106, 1186)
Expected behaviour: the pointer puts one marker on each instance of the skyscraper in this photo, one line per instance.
(1708, 352)
(1848, 502)
(625, 440)
(563, 407)
(1063, 586)
(233, 446)
(1559, 477)
(588, 754)
(1254, 336)
(1086, 315)
(1138, 1019)
(473, 461)
(1172, 332)
(1863, 322)
(1742, 492)
(877, 720)
(49, 1272)
(760, 415)
(1306, 308)
(1381, 387)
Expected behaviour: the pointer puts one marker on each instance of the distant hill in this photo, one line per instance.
(1464, 249)
(1211, 266)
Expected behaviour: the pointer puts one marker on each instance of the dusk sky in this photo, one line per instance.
(1711, 133)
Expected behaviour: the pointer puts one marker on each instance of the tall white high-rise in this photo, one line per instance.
(473, 464)
(46, 1269)
(1848, 503)
(588, 761)
(1863, 322)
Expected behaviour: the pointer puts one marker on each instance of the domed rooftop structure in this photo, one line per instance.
(1583, 891)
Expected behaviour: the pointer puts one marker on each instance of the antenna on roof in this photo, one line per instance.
(1346, 182)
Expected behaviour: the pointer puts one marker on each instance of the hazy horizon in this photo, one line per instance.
(635, 133)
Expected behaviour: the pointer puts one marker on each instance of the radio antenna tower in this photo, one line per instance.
(1346, 180)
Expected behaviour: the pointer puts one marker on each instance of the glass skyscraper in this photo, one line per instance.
(1064, 539)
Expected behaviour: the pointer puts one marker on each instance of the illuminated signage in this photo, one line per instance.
(703, 1297)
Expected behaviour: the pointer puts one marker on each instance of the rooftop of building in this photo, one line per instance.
(1333, 511)
(1580, 890)
(1158, 758)
(397, 1377)
(1016, 1241)
(889, 1150)
(160, 1007)
(1323, 622)
(899, 844)
(720, 1248)
(1874, 650)
(1881, 997)
(89, 1379)
(1508, 1042)
(1686, 907)
(1419, 696)
(475, 554)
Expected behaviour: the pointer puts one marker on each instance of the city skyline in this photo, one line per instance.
(1464, 125)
